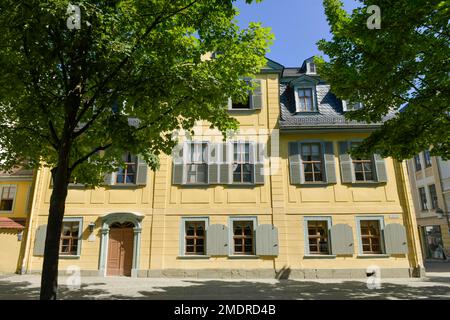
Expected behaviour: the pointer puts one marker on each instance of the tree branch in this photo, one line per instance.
(85, 157)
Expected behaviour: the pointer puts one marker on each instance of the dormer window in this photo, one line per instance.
(311, 67)
(305, 101)
(351, 106)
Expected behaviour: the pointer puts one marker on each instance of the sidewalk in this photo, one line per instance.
(435, 286)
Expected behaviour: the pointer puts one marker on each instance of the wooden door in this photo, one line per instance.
(120, 252)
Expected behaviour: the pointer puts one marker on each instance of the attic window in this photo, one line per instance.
(304, 100)
(351, 106)
(311, 67)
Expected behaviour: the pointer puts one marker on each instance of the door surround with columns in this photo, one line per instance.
(120, 217)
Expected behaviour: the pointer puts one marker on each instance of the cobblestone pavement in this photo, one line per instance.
(435, 286)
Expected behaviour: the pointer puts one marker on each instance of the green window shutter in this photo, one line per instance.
(380, 168)
(341, 239)
(259, 164)
(39, 240)
(178, 164)
(395, 239)
(345, 162)
(141, 174)
(256, 97)
(328, 162)
(266, 236)
(213, 163)
(217, 240)
(295, 163)
(225, 164)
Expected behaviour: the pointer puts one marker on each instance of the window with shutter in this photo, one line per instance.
(317, 235)
(193, 236)
(242, 235)
(312, 165)
(7, 196)
(70, 235)
(127, 173)
(252, 101)
(362, 167)
(370, 235)
(197, 163)
(242, 164)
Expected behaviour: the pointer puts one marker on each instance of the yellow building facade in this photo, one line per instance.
(274, 200)
(16, 192)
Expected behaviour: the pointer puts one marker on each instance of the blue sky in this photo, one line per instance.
(296, 24)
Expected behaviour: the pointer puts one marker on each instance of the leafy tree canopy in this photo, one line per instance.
(405, 64)
(74, 89)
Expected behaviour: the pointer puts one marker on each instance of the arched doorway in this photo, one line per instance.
(120, 244)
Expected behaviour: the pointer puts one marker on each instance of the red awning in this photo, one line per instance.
(8, 223)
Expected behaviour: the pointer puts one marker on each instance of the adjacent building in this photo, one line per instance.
(430, 187)
(280, 198)
(16, 192)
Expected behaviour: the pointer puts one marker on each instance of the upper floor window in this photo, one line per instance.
(427, 158)
(433, 196)
(311, 67)
(417, 163)
(197, 163)
(252, 101)
(127, 174)
(423, 199)
(305, 100)
(7, 195)
(351, 106)
(312, 162)
(242, 167)
(363, 168)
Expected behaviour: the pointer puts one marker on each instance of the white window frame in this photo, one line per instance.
(231, 220)
(80, 237)
(427, 198)
(313, 98)
(374, 173)
(188, 148)
(380, 220)
(14, 199)
(116, 173)
(251, 159)
(182, 235)
(349, 106)
(306, 219)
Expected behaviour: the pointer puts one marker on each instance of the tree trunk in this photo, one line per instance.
(60, 176)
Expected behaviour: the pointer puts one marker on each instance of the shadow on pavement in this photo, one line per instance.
(248, 290)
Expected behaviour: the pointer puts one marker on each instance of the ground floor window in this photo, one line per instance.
(193, 236)
(70, 237)
(318, 241)
(432, 242)
(243, 237)
(370, 236)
